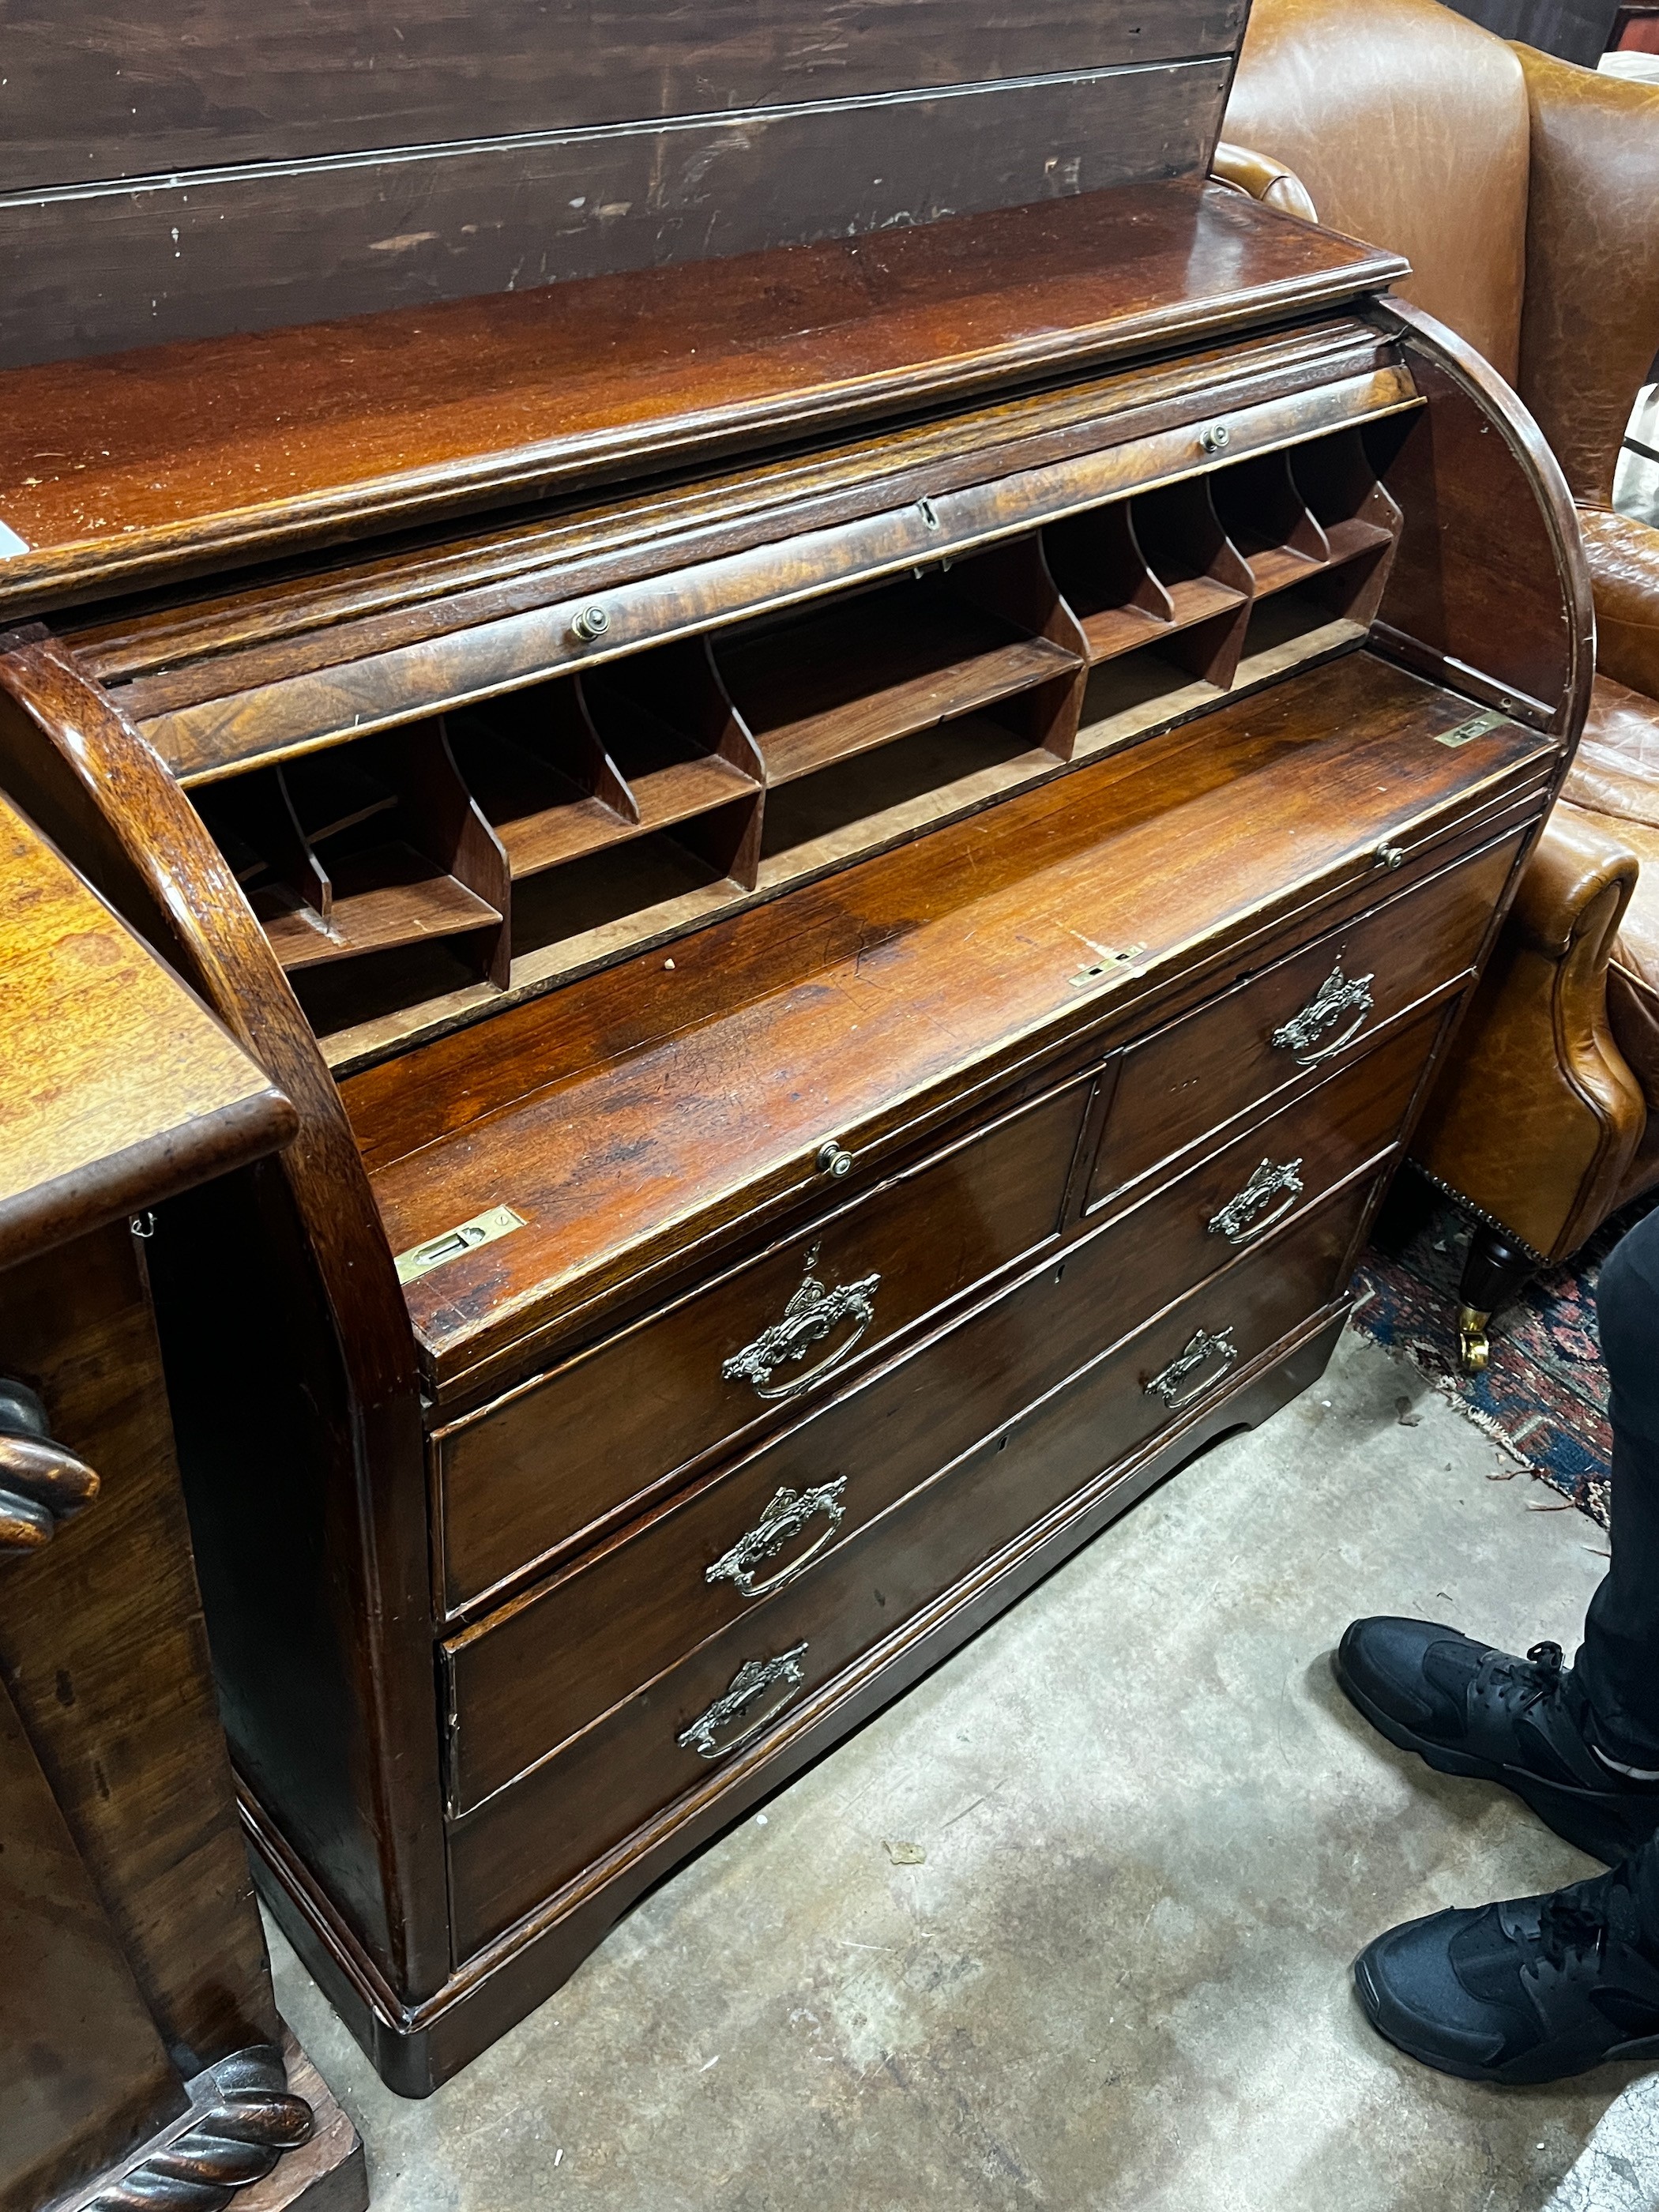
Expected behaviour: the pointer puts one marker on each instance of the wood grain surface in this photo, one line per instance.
(1110, 861)
(83, 2073)
(121, 1087)
(199, 84)
(104, 1649)
(196, 172)
(349, 425)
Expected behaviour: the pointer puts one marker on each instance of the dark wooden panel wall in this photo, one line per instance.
(193, 166)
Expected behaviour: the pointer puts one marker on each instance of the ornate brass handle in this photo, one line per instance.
(789, 1512)
(1202, 1349)
(42, 1483)
(752, 1681)
(1240, 1219)
(808, 1318)
(1335, 997)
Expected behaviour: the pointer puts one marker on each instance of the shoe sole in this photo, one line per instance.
(1532, 2066)
(1596, 1823)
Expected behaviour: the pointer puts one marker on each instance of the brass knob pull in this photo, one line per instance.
(592, 622)
(1337, 995)
(1242, 1218)
(1215, 438)
(1202, 1349)
(41, 1482)
(809, 1317)
(752, 1681)
(788, 1514)
(834, 1159)
(1388, 857)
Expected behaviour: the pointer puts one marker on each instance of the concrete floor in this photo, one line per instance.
(1154, 1836)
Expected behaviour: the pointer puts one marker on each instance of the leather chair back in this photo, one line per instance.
(1524, 191)
(1409, 126)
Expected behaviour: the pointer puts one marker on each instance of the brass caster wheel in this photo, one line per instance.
(1473, 1349)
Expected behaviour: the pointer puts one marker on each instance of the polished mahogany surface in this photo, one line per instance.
(117, 467)
(134, 1956)
(121, 1087)
(856, 877)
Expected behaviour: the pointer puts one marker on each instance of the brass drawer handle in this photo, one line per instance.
(808, 1318)
(1202, 1349)
(1337, 995)
(1240, 1220)
(789, 1512)
(752, 1680)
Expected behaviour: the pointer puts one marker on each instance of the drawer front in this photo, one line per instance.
(539, 1670)
(515, 1850)
(1314, 1010)
(536, 1469)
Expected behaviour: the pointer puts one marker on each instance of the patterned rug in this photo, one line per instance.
(1543, 1398)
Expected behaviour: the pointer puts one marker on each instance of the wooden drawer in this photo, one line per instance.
(538, 1670)
(540, 1466)
(527, 1840)
(1318, 1008)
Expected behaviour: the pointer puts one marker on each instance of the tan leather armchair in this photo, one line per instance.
(1525, 193)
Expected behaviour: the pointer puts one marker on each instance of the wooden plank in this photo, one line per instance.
(874, 667)
(104, 1649)
(95, 89)
(121, 1086)
(83, 2077)
(98, 268)
(196, 454)
(1020, 892)
(389, 897)
(1114, 630)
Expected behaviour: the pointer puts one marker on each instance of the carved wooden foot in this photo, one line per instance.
(265, 2136)
(42, 1483)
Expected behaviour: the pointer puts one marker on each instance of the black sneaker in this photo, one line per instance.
(1469, 1709)
(1533, 1991)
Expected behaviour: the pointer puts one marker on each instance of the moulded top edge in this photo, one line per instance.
(122, 468)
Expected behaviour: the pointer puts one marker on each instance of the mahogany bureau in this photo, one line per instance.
(854, 926)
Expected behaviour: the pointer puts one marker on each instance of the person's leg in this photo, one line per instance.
(1616, 1673)
(1580, 1746)
(1539, 1988)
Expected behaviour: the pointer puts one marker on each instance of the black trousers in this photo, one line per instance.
(1616, 1673)
(1617, 1669)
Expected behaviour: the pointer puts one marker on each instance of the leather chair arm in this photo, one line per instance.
(1537, 1114)
(1263, 178)
(1623, 565)
(1591, 314)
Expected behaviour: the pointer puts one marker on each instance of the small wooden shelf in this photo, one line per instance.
(671, 779)
(922, 778)
(386, 897)
(542, 815)
(1114, 630)
(1276, 568)
(1354, 538)
(883, 665)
